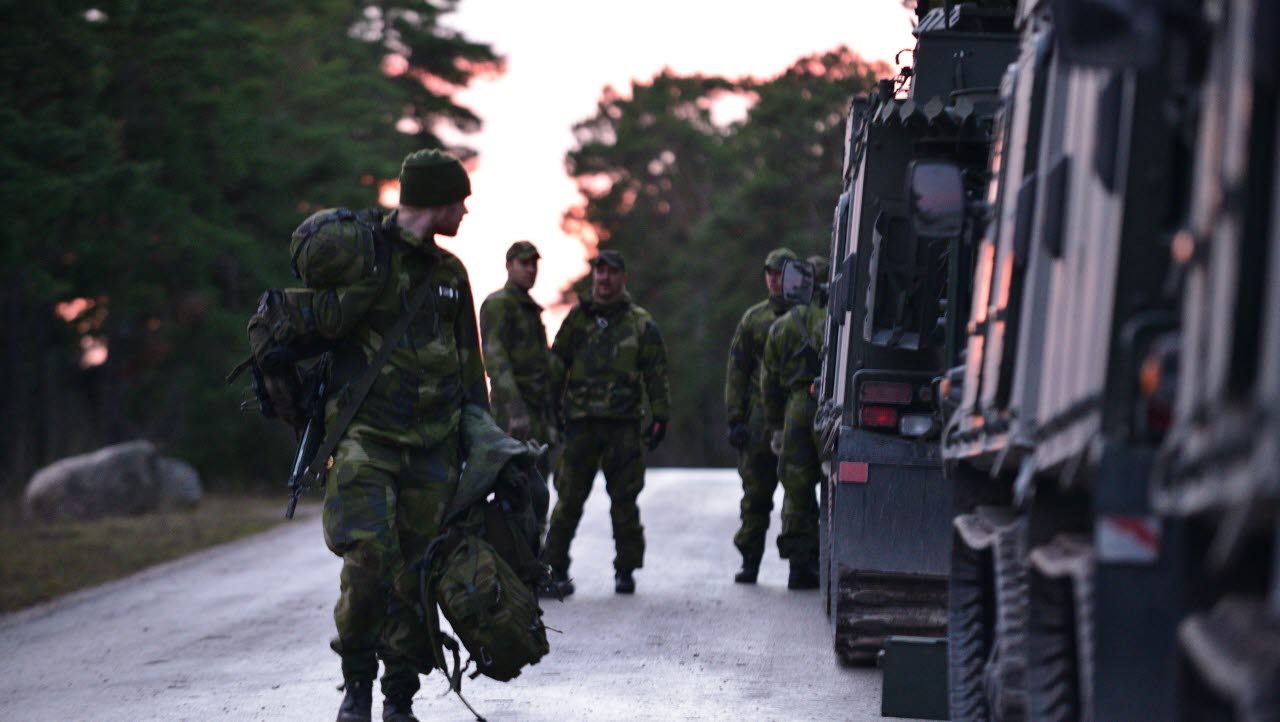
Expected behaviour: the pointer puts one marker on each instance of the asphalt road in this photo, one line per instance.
(241, 632)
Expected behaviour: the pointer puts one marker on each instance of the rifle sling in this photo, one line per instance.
(319, 461)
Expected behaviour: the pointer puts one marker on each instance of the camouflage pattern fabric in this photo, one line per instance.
(742, 376)
(757, 466)
(398, 463)
(792, 360)
(436, 365)
(758, 469)
(383, 504)
(614, 446)
(519, 364)
(608, 357)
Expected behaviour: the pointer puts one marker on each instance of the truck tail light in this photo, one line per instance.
(885, 392)
(884, 417)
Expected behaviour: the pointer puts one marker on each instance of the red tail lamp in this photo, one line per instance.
(885, 392)
(880, 417)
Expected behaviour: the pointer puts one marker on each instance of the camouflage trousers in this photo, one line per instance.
(758, 468)
(613, 446)
(799, 470)
(383, 504)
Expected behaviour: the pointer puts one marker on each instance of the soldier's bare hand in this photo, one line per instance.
(775, 443)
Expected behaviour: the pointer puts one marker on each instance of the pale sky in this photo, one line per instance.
(561, 53)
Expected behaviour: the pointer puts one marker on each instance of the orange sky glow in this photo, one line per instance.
(520, 188)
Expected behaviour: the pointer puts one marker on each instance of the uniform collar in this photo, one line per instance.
(521, 295)
(596, 308)
(778, 304)
(426, 245)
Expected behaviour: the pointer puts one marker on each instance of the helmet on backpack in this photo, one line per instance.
(335, 247)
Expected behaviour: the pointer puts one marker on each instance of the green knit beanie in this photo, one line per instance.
(432, 178)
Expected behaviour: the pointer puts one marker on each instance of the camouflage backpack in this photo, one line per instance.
(334, 247)
(481, 572)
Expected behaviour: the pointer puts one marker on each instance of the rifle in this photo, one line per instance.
(308, 444)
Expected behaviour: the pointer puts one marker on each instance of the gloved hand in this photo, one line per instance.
(775, 443)
(655, 433)
(739, 436)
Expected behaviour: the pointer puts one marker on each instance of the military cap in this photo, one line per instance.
(522, 250)
(431, 178)
(774, 260)
(610, 258)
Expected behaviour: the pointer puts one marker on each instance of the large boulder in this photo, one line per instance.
(128, 478)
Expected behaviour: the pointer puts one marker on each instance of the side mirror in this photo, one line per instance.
(935, 190)
(797, 282)
(1110, 33)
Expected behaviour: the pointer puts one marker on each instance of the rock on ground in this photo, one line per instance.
(123, 479)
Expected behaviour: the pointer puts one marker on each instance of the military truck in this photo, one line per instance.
(886, 573)
(1109, 373)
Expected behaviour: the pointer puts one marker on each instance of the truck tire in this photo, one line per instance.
(1005, 675)
(970, 625)
(1053, 675)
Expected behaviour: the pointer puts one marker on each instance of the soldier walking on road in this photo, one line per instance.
(792, 361)
(748, 433)
(609, 356)
(516, 354)
(397, 465)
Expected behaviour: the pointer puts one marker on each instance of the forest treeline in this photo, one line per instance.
(695, 205)
(155, 156)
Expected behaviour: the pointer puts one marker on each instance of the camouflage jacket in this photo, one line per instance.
(607, 357)
(516, 354)
(792, 358)
(435, 366)
(742, 376)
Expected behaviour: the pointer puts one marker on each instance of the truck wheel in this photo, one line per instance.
(970, 618)
(1060, 630)
(1053, 690)
(1005, 677)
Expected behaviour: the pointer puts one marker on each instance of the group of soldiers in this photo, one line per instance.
(398, 462)
(774, 358)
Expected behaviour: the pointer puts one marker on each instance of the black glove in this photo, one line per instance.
(655, 433)
(739, 436)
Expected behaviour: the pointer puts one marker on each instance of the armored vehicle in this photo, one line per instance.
(1099, 297)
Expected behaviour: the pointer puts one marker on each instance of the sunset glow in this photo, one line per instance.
(520, 188)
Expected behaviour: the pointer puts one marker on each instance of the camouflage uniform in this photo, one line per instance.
(608, 357)
(792, 360)
(757, 464)
(519, 364)
(398, 463)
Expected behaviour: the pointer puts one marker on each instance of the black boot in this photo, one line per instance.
(749, 571)
(804, 575)
(357, 705)
(398, 710)
(559, 587)
(624, 583)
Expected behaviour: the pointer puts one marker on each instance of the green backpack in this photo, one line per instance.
(483, 568)
(491, 608)
(331, 248)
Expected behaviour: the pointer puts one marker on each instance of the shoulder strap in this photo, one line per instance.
(803, 326)
(366, 382)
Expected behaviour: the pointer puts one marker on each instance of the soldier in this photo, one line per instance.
(792, 361)
(516, 354)
(757, 464)
(608, 356)
(397, 465)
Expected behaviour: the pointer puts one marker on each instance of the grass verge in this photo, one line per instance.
(41, 561)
